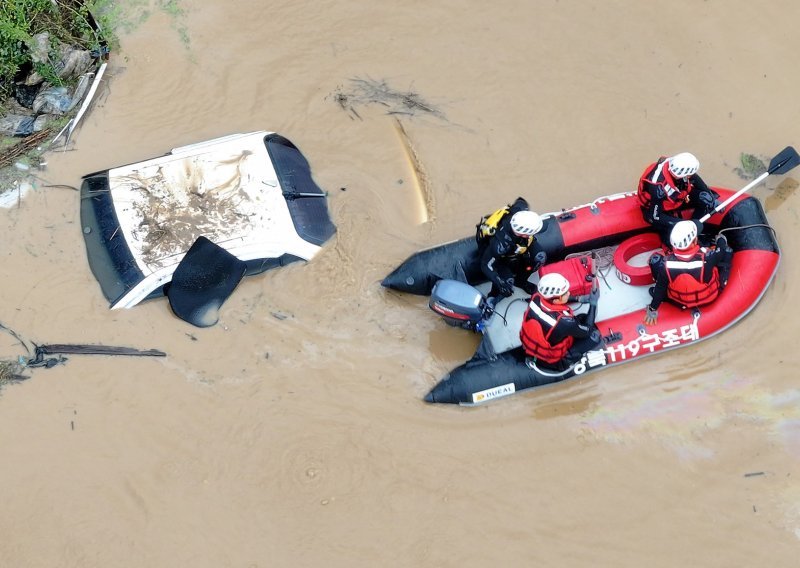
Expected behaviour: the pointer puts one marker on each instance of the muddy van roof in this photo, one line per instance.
(252, 194)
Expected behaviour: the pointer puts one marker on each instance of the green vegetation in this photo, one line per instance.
(85, 24)
(91, 25)
(752, 165)
(6, 371)
(177, 13)
(116, 17)
(9, 372)
(66, 21)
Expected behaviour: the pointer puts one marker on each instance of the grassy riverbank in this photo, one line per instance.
(68, 22)
(33, 37)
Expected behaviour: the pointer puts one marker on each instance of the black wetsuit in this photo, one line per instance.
(502, 265)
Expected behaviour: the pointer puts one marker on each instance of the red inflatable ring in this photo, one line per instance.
(636, 275)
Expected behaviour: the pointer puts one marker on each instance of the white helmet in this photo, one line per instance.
(553, 285)
(526, 223)
(683, 235)
(683, 165)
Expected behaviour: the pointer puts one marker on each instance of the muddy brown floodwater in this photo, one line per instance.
(293, 433)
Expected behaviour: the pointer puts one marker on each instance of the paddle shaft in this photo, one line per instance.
(750, 185)
(783, 161)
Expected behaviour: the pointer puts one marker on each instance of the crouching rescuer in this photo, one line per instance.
(508, 249)
(690, 276)
(552, 334)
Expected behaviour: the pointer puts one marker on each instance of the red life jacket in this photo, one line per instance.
(686, 273)
(540, 320)
(657, 175)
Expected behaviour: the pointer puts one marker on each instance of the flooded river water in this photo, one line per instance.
(293, 432)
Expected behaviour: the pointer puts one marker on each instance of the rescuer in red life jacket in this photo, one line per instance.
(670, 186)
(551, 333)
(691, 275)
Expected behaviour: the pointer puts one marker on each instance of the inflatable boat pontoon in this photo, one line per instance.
(613, 229)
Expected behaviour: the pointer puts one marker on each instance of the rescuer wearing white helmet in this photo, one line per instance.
(552, 335)
(691, 275)
(509, 251)
(526, 223)
(671, 185)
(683, 235)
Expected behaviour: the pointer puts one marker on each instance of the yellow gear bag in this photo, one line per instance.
(489, 223)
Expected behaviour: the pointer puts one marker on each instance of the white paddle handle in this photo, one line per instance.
(753, 183)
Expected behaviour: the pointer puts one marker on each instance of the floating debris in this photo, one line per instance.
(422, 182)
(9, 155)
(38, 356)
(10, 373)
(752, 166)
(59, 349)
(785, 189)
(370, 91)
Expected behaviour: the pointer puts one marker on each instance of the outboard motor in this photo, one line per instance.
(460, 305)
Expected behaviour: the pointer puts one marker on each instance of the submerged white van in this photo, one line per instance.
(251, 194)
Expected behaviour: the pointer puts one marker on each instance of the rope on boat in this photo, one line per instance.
(763, 225)
(604, 261)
